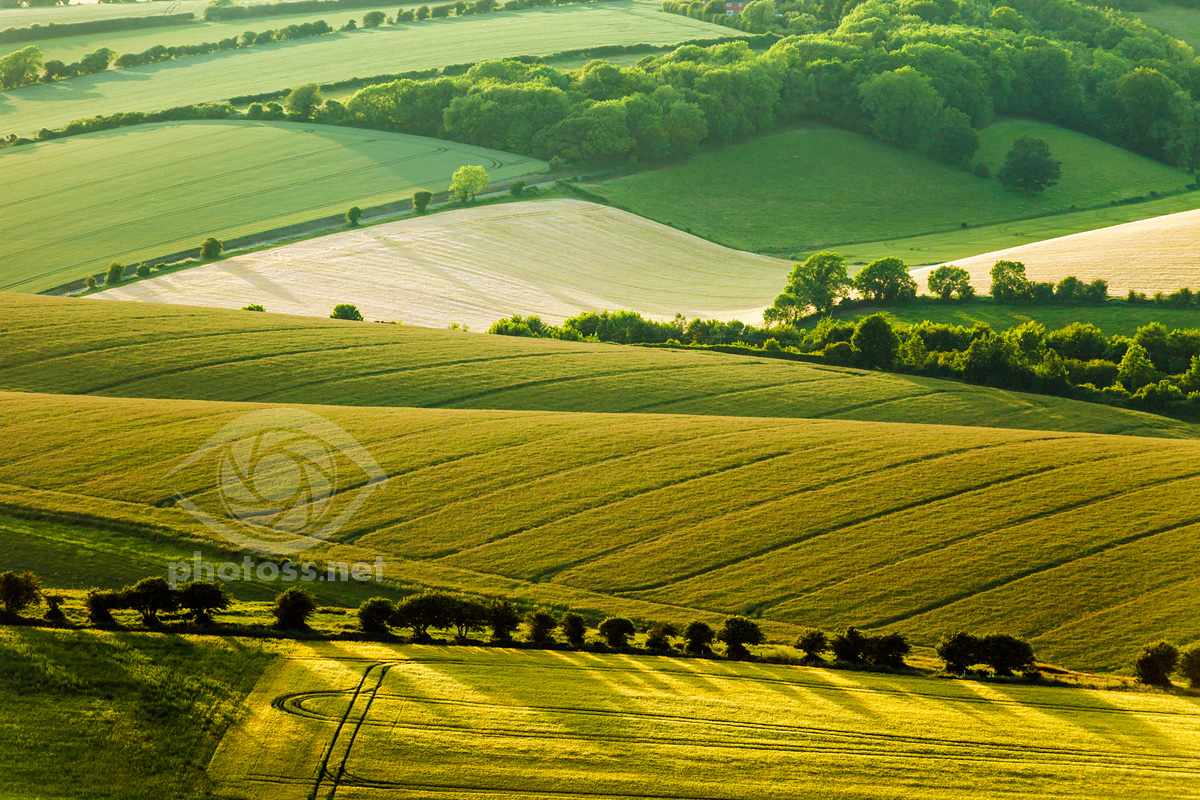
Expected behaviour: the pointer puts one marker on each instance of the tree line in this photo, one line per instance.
(53, 30)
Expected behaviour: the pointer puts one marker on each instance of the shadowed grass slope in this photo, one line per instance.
(144, 350)
(919, 528)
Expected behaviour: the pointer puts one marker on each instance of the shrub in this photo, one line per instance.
(115, 274)
(346, 311)
(143, 270)
(616, 632)
(982, 170)
(375, 614)
(658, 638)
(253, 307)
(875, 344)
(211, 248)
(1189, 665)
(373, 19)
(887, 650)
(812, 643)
(1005, 654)
(293, 608)
(1155, 663)
(18, 592)
(90, 283)
(517, 188)
(698, 638)
(421, 201)
(200, 599)
(959, 651)
(100, 606)
(540, 624)
(503, 619)
(353, 216)
(736, 633)
(849, 646)
(574, 628)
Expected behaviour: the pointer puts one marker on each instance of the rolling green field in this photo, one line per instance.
(129, 716)
(788, 193)
(919, 528)
(1115, 318)
(70, 48)
(1182, 23)
(465, 723)
(80, 12)
(153, 190)
(147, 350)
(336, 57)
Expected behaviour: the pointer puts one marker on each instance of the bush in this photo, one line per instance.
(982, 170)
(90, 282)
(373, 19)
(574, 628)
(1189, 665)
(18, 592)
(375, 614)
(421, 201)
(115, 274)
(887, 650)
(1155, 663)
(736, 633)
(812, 643)
(353, 216)
(616, 632)
(100, 606)
(143, 270)
(658, 638)
(541, 624)
(517, 188)
(346, 311)
(503, 619)
(293, 608)
(200, 599)
(849, 647)
(698, 638)
(1005, 654)
(959, 651)
(253, 307)
(211, 248)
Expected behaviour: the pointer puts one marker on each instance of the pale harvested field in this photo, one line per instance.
(1158, 254)
(555, 258)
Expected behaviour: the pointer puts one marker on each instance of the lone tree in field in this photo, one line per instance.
(1028, 167)
(541, 624)
(616, 632)
(948, 281)
(346, 311)
(375, 614)
(19, 592)
(574, 628)
(467, 182)
(201, 600)
(736, 633)
(959, 651)
(698, 638)
(886, 280)
(353, 216)
(503, 619)
(211, 248)
(875, 343)
(812, 643)
(151, 597)
(115, 274)
(1189, 665)
(303, 101)
(421, 201)
(817, 283)
(1155, 664)
(293, 608)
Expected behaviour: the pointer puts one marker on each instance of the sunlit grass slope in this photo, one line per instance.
(791, 192)
(554, 258)
(74, 205)
(335, 57)
(1080, 542)
(148, 350)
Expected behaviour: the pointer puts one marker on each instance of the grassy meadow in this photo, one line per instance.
(1114, 318)
(555, 258)
(1182, 23)
(116, 716)
(919, 528)
(788, 193)
(421, 721)
(90, 12)
(152, 190)
(152, 350)
(435, 43)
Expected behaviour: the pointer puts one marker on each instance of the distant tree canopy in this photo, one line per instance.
(886, 280)
(468, 181)
(949, 281)
(1028, 167)
(816, 284)
(304, 100)
(20, 68)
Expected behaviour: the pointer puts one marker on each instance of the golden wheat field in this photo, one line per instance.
(555, 258)
(1151, 255)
